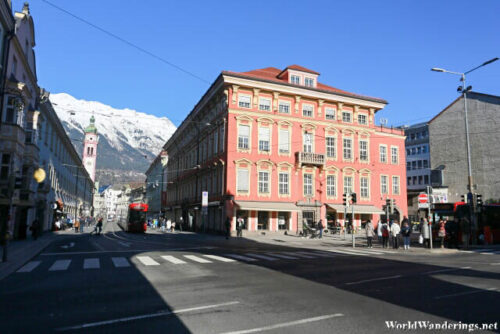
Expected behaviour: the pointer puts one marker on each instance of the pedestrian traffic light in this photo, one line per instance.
(479, 200)
(353, 197)
(463, 197)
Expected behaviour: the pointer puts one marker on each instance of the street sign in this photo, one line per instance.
(204, 199)
(423, 198)
(423, 205)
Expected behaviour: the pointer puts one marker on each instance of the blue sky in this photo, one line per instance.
(376, 48)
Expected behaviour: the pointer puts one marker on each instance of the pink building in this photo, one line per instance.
(277, 147)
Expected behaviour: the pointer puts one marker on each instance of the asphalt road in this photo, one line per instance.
(189, 283)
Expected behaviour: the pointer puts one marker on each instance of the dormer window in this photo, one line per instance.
(309, 82)
(295, 79)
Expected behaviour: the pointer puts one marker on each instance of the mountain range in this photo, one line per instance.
(128, 140)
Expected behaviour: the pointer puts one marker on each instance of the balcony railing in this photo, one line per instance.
(307, 158)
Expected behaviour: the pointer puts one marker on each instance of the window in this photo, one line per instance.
(424, 133)
(426, 163)
(330, 186)
(283, 184)
(419, 164)
(424, 149)
(284, 141)
(419, 150)
(347, 148)
(383, 184)
(414, 180)
(426, 179)
(243, 180)
(363, 150)
(309, 82)
(295, 79)
(362, 119)
(348, 188)
(394, 155)
(408, 152)
(408, 165)
(330, 147)
(284, 107)
(395, 185)
(264, 104)
(307, 110)
(364, 187)
(414, 164)
(243, 136)
(412, 136)
(308, 142)
(420, 179)
(244, 101)
(5, 167)
(409, 180)
(413, 150)
(383, 154)
(263, 182)
(264, 136)
(308, 185)
(346, 117)
(330, 113)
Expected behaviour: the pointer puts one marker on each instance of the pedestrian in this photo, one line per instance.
(442, 232)
(173, 226)
(370, 233)
(239, 227)
(379, 231)
(406, 233)
(181, 223)
(228, 227)
(35, 226)
(77, 225)
(169, 225)
(82, 224)
(320, 228)
(385, 234)
(99, 226)
(395, 229)
(425, 232)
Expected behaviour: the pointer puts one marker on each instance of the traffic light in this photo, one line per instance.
(353, 197)
(479, 200)
(393, 205)
(346, 198)
(463, 198)
(18, 183)
(388, 202)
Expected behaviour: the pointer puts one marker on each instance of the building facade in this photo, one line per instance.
(277, 147)
(449, 150)
(156, 183)
(67, 183)
(90, 141)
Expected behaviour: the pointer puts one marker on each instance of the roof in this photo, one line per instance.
(272, 74)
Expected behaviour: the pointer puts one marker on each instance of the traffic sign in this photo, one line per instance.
(204, 199)
(423, 198)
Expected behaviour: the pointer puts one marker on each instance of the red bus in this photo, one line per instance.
(136, 218)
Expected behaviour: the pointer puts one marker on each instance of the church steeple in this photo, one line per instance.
(90, 148)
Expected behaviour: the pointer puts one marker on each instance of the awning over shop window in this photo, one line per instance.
(267, 206)
(363, 209)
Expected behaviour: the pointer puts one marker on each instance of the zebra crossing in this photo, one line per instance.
(483, 251)
(185, 259)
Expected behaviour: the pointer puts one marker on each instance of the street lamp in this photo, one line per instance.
(464, 89)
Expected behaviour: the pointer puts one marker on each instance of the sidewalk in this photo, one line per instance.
(21, 251)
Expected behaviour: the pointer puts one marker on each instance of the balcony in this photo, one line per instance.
(307, 158)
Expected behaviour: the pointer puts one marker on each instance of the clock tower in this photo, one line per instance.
(90, 148)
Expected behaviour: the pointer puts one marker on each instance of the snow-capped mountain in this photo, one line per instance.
(125, 136)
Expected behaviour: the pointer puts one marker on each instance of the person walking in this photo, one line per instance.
(370, 233)
(77, 225)
(385, 234)
(99, 226)
(442, 232)
(379, 231)
(35, 227)
(425, 232)
(169, 225)
(406, 233)
(82, 224)
(320, 227)
(173, 226)
(395, 230)
(239, 227)
(228, 227)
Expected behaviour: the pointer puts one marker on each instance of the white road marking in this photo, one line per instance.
(374, 279)
(28, 267)
(286, 324)
(147, 261)
(357, 253)
(197, 259)
(299, 254)
(319, 253)
(91, 263)
(465, 293)
(145, 316)
(219, 258)
(495, 264)
(442, 271)
(60, 265)
(283, 256)
(241, 257)
(123, 251)
(485, 253)
(172, 259)
(120, 262)
(262, 257)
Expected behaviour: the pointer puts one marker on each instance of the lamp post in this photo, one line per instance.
(464, 89)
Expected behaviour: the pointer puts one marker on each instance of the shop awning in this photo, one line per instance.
(363, 209)
(267, 206)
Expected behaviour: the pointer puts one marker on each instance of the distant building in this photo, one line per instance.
(156, 184)
(90, 141)
(277, 148)
(449, 151)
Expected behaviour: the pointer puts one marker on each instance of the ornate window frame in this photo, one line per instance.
(285, 168)
(243, 163)
(265, 165)
(285, 125)
(244, 120)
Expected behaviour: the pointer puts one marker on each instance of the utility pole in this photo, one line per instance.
(76, 191)
(354, 200)
(429, 218)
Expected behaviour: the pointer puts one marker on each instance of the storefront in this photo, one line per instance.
(267, 216)
(362, 213)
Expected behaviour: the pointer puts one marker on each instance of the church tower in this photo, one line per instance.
(90, 148)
